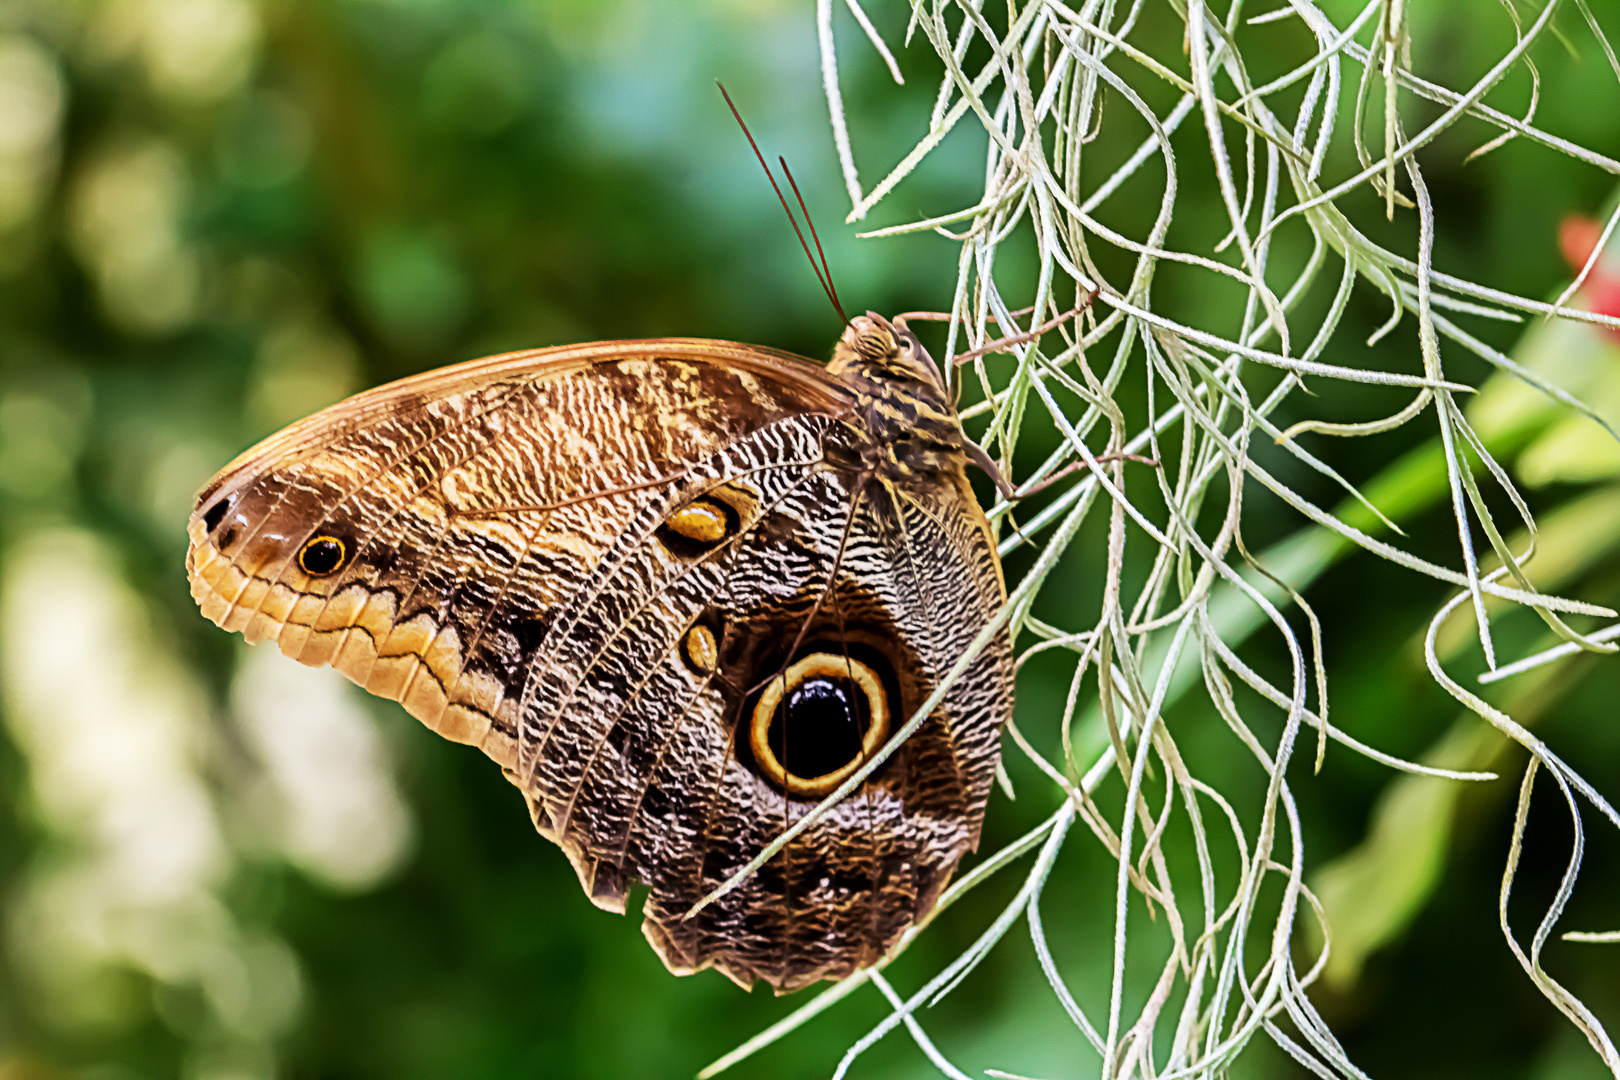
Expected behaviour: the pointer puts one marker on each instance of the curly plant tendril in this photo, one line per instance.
(1289, 153)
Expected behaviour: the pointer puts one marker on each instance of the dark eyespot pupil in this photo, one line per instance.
(818, 727)
(216, 514)
(321, 556)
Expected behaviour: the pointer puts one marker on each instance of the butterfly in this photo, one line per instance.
(679, 590)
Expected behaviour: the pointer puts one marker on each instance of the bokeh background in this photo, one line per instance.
(219, 215)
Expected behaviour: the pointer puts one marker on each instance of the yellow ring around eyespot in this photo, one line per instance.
(303, 553)
(828, 666)
(702, 521)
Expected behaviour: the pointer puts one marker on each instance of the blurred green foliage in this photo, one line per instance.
(217, 216)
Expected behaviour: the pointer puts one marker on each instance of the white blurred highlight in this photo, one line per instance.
(116, 735)
(328, 793)
(124, 219)
(194, 51)
(31, 104)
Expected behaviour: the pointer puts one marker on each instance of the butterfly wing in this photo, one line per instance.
(586, 561)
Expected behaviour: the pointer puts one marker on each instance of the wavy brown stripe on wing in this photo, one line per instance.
(318, 610)
(364, 483)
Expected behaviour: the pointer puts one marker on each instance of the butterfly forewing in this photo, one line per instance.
(428, 497)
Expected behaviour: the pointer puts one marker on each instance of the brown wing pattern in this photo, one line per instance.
(406, 477)
(508, 559)
(838, 897)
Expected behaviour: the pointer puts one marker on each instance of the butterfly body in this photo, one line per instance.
(678, 590)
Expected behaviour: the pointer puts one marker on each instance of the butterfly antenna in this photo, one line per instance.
(826, 271)
(824, 276)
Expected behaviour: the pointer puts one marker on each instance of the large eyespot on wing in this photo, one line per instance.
(817, 722)
(418, 537)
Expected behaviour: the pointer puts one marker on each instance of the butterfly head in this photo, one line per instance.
(887, 350)
(907, 425)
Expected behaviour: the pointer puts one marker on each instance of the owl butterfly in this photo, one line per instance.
(679, 590)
